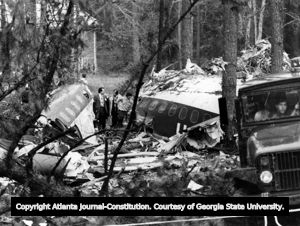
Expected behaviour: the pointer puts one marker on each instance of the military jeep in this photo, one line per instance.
(268, 126)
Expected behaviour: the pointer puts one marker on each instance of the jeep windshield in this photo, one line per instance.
(271, 104)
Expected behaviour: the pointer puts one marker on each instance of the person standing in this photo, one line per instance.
(83, 79)
(101, 108)
(114, 110)
(124, 106)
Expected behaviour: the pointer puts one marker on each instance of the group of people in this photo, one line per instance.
(117, 107)
(281, 110)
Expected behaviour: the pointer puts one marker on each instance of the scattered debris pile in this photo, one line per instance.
(191, 79)
(256, 60)
(159, 167)
(88, 164)
(253, 62)
(146, 166)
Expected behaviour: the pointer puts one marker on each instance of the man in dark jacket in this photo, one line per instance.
(114, 110)
(101, 108)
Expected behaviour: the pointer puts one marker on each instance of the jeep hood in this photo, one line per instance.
(275, 138)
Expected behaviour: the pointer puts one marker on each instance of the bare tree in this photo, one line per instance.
(186, 35)
(179, 28)
(248, 26)
(31, 17)
(230, 56)
(277, 35)
(254, 11)
(254, 23)
(261, 20)
(135, 35)
(198, 33)
(160, 33)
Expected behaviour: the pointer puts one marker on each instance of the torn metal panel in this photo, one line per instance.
(85, 124)
(72, 105)
(44, 163)
(205, 134)
(71, 165)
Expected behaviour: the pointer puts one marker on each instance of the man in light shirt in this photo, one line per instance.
(124, 106)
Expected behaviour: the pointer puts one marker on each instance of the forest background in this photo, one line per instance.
(41, 41)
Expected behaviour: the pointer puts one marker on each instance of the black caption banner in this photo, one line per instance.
(150, 206)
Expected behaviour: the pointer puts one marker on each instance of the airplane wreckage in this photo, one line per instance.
(179, 113)
(173, 103)
(71, 106)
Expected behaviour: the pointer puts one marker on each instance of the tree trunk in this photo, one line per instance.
(192, 38)
(198, 33)
(248, 27)
(135, 36)
(5, 42)
(186, 34)
(179, 34)
(32, 12)
(3, 20)
(43, 13)
(108, 16)
(2, 41)
(230, 56)
(254, 20)
(296, 42)
(240, 25)
(160, 34)
(95, 52)
(261, 20)
(77, 55)
(170, 10)
(277, 35)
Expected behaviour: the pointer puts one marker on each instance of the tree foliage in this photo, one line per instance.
(116, 43)
(35, 53)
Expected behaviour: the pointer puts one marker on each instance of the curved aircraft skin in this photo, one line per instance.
(171, 112)
(67, 102)
(170, 117)
(72, 104)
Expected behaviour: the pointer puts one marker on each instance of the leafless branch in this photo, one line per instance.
(139, 85)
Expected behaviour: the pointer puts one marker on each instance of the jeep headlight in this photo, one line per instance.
(266, 176)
